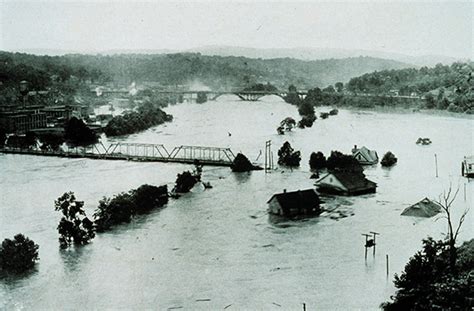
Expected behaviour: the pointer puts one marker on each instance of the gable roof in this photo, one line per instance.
(351, 180)
(297, 199)
(369, 155)
(424, 208)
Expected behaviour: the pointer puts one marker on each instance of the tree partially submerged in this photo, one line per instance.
(123, 206)
(74, 226)
(286, 124)
(342, 162)
(446, 201)
(185, 182)
(288, 157)
(18, 255)
(242, 164)
(389, 159)
(317, 161)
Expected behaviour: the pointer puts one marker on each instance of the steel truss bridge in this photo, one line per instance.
(138, 152)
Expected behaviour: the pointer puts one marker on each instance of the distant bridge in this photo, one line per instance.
(138, 152)
(213, 95)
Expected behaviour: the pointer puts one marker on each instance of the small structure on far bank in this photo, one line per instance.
(424, 208)
(389, 159)
(295, 203)
(345, 183)
(365, 156)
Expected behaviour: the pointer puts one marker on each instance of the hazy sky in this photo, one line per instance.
(414, 28)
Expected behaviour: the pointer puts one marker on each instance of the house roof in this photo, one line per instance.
(353, 181)
(296, 199)
(369, 155)
(424, 208)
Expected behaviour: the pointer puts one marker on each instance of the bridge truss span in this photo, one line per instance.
(137, 150)
(205, 155)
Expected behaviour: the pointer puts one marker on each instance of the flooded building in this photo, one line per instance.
(365, 156)
(424, 208)
(345, 183)
(467, 166)
(23, 120)
(290, 204)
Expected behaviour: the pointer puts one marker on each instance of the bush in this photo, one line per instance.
(287, 156)
(18, 255)
(317, 161)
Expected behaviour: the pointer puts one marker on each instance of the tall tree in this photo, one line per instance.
(74, 226)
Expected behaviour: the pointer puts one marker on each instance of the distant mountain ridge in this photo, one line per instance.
(302, 53)
(321, 53)
(213, 71)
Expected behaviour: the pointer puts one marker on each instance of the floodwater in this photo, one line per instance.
(218, 248)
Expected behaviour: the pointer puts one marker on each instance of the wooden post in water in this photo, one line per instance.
(304, 306)
(436, 165)
(386, 258)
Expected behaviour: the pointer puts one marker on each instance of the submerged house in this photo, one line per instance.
(345, 183)
(290, 204)
(424, 208)
(365, 156)
(467, 166)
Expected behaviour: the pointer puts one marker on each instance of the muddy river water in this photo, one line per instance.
(218, 248)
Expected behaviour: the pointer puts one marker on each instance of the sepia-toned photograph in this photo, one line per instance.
(236, 155)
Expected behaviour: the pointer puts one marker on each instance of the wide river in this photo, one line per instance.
(218, 248)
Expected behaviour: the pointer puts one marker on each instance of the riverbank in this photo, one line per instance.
(404, 110)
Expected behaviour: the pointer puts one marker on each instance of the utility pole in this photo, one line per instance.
(268, 156)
